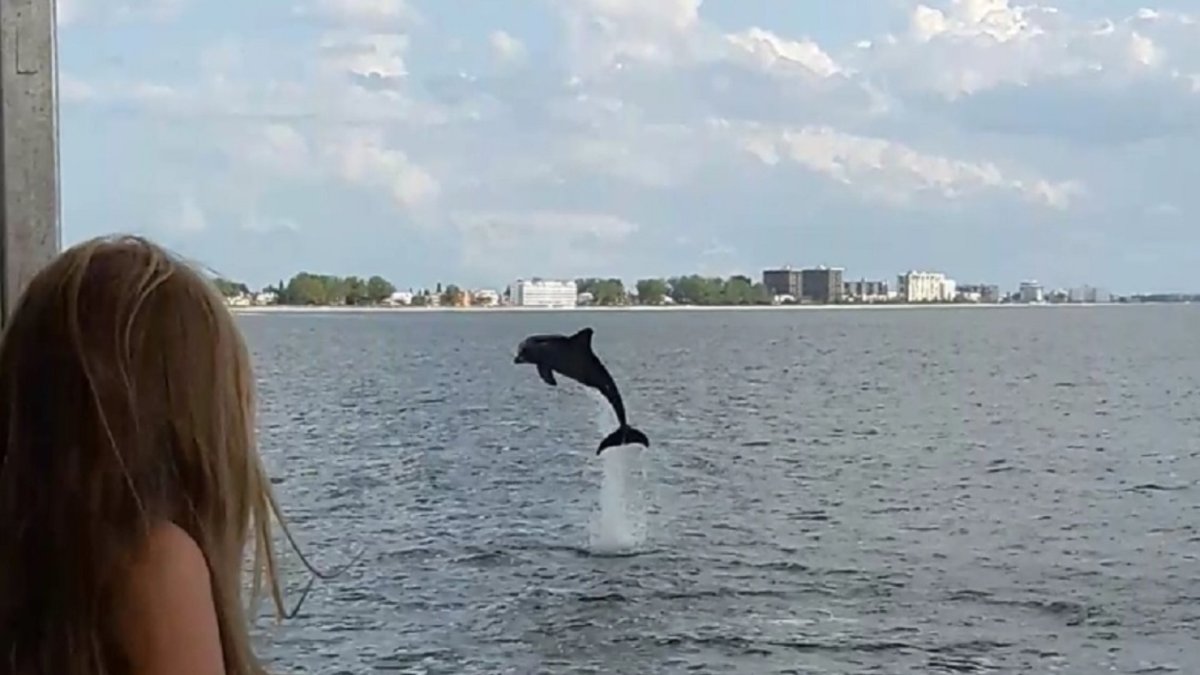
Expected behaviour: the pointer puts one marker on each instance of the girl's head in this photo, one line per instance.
(126, 401)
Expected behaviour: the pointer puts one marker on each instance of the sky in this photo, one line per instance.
(476, 142)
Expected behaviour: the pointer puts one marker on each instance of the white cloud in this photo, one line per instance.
(507, 47)
(672, 15)
(603, 34)
(366, 14)
(259, 225)
(525, 225)
(771, 52)
(969, 46)
(279, 149)
(889, 170)
(324, 156)
(681, 122)
(520, 243)
(188, 217)
(362, 158)
(71, 12)
(365, 55)
(71, 89)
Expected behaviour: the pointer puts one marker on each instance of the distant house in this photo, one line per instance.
(400, 298)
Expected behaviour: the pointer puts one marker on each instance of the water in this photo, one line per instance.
(914, 491)
(619, 525)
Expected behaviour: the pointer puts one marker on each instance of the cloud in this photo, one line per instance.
(770, 52)
(68, 13)
(362, 158)
(667, 121)
(968, 46)
(888, 170)
(507, 47)
(567, 243)
(188, 217)
(254, 223)
(366, 14)
(373, 55)
(357, 156)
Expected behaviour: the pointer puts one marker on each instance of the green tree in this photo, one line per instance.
(230, 289)
(305, 289)
(607, 292)
(652, 291)
(737, 290)
(742, 290)
(697, 290)
(379, 289)
(452, 295)
(354, 290)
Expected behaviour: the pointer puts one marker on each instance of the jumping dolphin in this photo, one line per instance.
(573, 357)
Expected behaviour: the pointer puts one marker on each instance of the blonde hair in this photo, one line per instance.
(126, 401)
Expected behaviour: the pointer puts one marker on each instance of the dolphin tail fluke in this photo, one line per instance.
(625, 435)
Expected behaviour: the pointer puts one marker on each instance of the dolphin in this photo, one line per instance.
(573, 357)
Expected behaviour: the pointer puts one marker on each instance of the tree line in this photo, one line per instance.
(311, 289)
(691, 289)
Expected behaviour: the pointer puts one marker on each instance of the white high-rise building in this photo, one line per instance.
(1031, 291)
(544, 293)
(916, 286)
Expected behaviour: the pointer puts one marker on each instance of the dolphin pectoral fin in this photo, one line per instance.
(624, 435)
(547, 375)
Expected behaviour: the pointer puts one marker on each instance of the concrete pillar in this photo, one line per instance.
(30, 234)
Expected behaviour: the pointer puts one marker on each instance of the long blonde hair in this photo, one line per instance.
(126, 401)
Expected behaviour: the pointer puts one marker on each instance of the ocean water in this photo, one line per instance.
(827, 491)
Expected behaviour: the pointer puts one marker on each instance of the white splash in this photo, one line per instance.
(619, 523)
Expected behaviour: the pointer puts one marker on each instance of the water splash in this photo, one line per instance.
(619, 523)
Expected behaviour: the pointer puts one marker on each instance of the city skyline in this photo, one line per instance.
(831, 288)
(991, 139)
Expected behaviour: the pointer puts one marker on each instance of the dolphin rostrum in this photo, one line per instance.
(573, 357)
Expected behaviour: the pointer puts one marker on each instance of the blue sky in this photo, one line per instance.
(476, 142)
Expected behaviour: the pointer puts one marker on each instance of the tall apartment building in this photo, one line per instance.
(1031, 291)
(866, 291)
(822, 284)
(916, 286)
(783, 281)
(983, 293)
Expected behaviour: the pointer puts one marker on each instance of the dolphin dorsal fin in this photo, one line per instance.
(584, 337)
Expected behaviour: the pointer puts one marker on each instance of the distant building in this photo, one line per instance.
(982, 293)
(1031, 291)
(916, 286)
(949, 290)
(485, 297)
(821, 285)
(785, 281)
(538, 292)
(401, 298)
(1087, 294)
(266, 298)
(865, 291)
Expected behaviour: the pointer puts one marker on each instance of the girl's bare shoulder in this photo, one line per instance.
(169, 618)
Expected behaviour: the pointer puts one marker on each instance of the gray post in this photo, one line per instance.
(29, 198)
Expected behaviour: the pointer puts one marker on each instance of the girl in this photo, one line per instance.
(129, 478)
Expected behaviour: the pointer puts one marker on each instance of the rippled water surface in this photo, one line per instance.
(907, 491)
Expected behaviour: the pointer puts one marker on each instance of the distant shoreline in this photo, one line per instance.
(332, 309)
